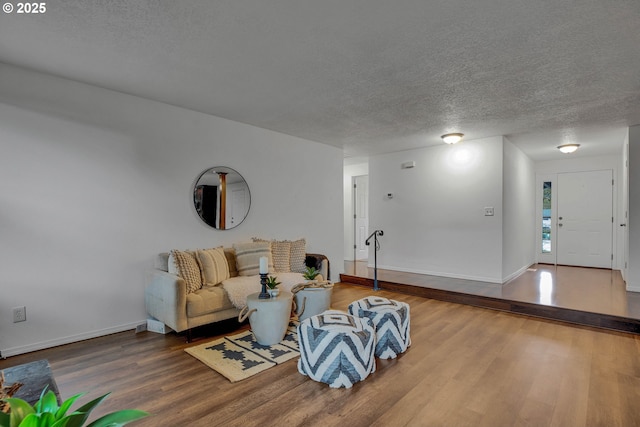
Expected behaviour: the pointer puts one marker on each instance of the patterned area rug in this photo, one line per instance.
(240, 356)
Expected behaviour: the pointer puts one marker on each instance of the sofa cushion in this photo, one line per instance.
(288, 256)
(248, 257)
(187, 267)
(230, 253)
(280, 252)
(162, 262)
(208, 299)
(172, 268)
(213, 265)
(298, 255)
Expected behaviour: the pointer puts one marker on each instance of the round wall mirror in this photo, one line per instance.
(221, 197)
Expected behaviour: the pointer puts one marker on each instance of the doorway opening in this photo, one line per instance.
(576, 219)
(360, 217)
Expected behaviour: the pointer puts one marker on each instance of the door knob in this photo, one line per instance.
(623, 225)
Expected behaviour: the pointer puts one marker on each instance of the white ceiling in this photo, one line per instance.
(370, 76)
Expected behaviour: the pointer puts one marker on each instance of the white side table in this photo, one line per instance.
(269, 317)
(312, 301)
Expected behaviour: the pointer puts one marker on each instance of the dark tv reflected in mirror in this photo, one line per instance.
(221, 197)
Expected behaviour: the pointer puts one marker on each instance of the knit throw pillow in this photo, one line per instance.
(248, 257)
(187, 267)
(298, 255)
(291, 262)
(213, 265)
(281, 254)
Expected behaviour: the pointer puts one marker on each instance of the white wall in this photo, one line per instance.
(624, 207)
(583, 164)
(359, 168)
(94, 183)
(435, 222)
(633, 271)
(518, 227)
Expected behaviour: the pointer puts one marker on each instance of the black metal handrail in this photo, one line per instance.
(375, 235)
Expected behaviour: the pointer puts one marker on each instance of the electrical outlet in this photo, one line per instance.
(488, 211)
(19, 314)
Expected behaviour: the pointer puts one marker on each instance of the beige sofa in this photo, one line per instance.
(169, 299)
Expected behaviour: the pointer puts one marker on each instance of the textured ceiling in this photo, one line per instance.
(369, 76)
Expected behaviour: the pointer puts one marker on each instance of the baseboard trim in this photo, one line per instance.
(578, 317)
(515, 274)
(14, 351)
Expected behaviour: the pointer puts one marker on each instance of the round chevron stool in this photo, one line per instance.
(392, 323)
(336, 348)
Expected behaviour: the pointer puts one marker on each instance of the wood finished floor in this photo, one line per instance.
(467, 366)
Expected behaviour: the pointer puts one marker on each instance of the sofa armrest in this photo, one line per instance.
(321, 263)
(165, 299)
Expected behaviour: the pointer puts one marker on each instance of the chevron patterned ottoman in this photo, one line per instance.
(336, 348)
(391, 320)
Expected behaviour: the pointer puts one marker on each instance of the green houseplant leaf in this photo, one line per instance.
(48, 403)
(310, 273)
(62, 411)
(19, 410)
(47, 413)
(74, 419)
(272, 282)
(119, 418)
(88, 407)
(38, 420)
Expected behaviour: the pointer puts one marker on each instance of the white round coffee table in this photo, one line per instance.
(269, 317)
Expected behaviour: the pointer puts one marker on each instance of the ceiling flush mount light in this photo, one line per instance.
(568, 148)
(452, 138)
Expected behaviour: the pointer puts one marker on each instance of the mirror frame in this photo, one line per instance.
(219, 221)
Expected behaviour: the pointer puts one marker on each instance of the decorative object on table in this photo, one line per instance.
(7, 391)
(310, 273)
(312, 298)
(47, 413)
(268, 317)
(272, 285)
(336, 348)
(391, 320)
(263, 277)
(240, 356)
(274, 292)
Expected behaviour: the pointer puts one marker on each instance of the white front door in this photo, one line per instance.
(361, 215)
(585, 219)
